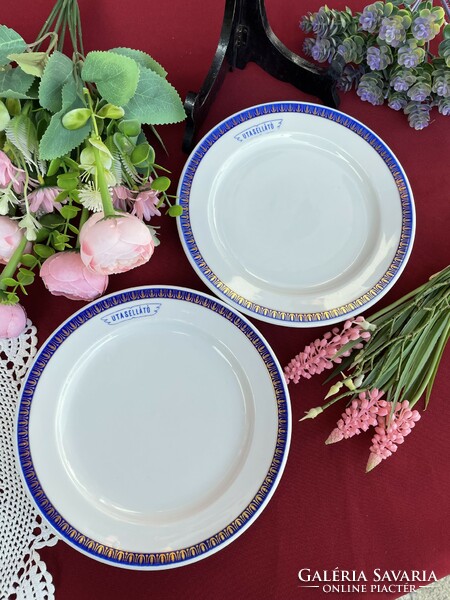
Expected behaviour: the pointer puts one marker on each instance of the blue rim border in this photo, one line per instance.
(284, 317)
(152, 559)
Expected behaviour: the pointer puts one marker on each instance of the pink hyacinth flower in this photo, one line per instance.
(145, 205)
(13, 320)
(359, 416)
(10, 237)
(65, 274)
(389, 434)
(115, 244)
(321, 354)
(42, 200)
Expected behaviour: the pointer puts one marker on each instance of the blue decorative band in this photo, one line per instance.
(264, 110)
(57, 520)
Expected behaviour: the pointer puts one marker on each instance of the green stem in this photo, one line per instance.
(84, 217)
(108, 207)
(11, 266)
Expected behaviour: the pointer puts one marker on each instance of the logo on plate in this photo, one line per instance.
(132, 312)
(264, 127)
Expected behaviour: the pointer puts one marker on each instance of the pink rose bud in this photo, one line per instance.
(10, 236)
(64, 274)
(115, 244)
(13, 320)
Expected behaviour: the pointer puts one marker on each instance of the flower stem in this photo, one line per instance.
(84, 217)
(108, 207)
(11, 266)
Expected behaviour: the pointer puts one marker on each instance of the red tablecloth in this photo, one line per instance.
(326, 512)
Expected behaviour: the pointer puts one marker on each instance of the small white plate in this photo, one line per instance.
(153, 427)
(296, 214)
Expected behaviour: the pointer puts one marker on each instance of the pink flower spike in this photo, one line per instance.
(64, 274)
(321, 354)
(388, 435)
(13, 320)
(42, 200)
(359, 416)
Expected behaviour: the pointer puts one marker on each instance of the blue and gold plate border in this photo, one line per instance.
(266, 313)
(149, 560)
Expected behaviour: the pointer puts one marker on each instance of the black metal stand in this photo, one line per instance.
(247, 36)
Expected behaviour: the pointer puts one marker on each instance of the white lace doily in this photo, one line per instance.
(23, 575)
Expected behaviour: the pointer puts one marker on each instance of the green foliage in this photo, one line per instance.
(115, 76)
(32, 63)
(142, 59)
(14, 83)
(156, 102)
(57, 140)
(57, 73)
(10, 42)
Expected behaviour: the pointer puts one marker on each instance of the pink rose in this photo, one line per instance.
(13, 320)
(10, 236)
(115, 244)
(64, 274)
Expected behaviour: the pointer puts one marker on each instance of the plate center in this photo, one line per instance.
(154, 424)
(294, 211)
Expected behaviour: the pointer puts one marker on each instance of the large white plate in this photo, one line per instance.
(153, 427)
(296, 214)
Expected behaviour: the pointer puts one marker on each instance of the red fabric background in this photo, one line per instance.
(327, 512)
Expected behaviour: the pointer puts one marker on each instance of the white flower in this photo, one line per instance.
(90, 197)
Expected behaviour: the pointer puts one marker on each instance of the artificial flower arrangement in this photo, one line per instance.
(386, 364)
(387, 55)
(78, 177)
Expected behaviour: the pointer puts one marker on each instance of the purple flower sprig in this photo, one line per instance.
(386, 53)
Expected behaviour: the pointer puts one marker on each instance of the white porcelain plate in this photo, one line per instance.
(153, 427)
(296, 214)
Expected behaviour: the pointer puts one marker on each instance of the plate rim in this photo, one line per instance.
(271, 315)
(213, 543)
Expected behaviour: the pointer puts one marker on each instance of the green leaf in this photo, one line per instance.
(52, 220)
(176, 210)
(14, 83)
(4, 116)
(43, 251)
(446, 32)
(56, 74)
(32, 63)
(156, 101)
(69, 211)
(21, 133)
(57, 140)
(68, 182)
(12, 298)
(143, 59)
(161, 184)
(116, 76)
(53, 167)
(9, 282)
(25, 278)
(28, 260)
(73, 229)
(10, 41)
